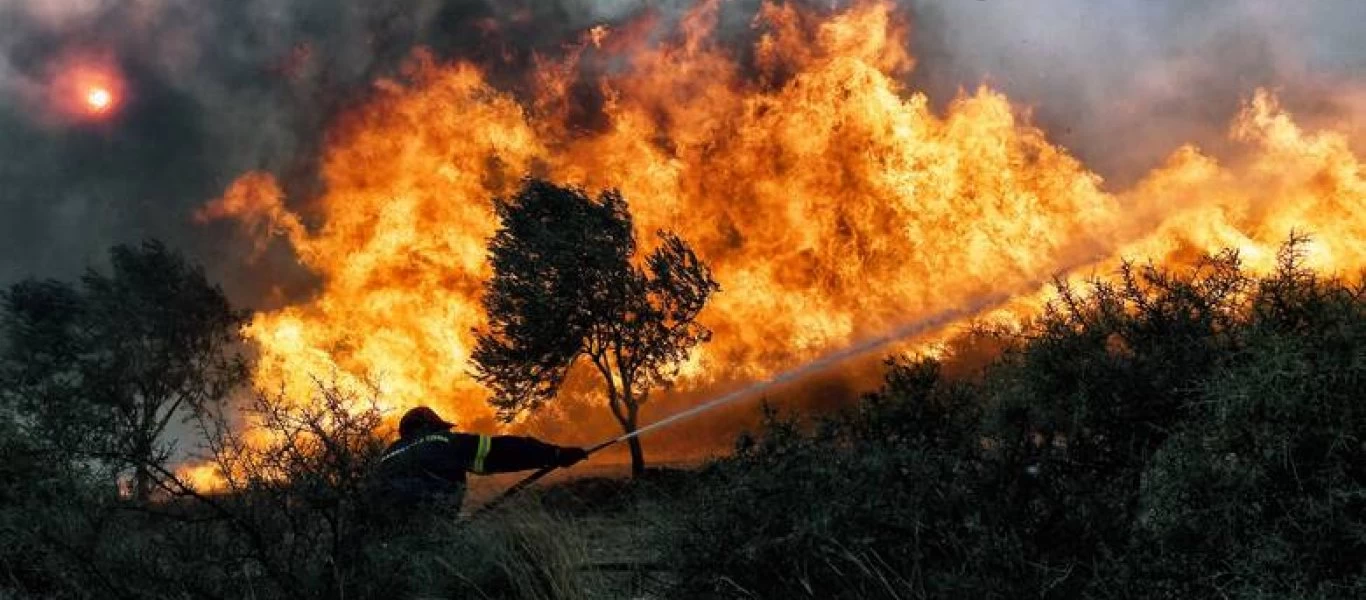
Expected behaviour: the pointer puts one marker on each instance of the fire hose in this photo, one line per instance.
(908, 330)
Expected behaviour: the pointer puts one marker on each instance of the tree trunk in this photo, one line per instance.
(142, 483)
(142, 453)
(637, 453)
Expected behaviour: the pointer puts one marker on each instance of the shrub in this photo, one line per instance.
(1263, 490)
(292, 518)
(875, 503)
(1186, 433)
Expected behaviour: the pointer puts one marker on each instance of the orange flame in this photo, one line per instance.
(832, 202)
(204, 477)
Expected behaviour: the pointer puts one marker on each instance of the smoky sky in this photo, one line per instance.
(214, 89)
(1122, 83)
(219, 88)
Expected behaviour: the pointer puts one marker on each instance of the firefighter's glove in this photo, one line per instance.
(565, 457)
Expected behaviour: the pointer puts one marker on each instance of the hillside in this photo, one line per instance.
(1194, 433)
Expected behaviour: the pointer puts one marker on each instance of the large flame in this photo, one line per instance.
(831, 200)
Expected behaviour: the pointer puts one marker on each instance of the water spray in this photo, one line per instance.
(908, 330)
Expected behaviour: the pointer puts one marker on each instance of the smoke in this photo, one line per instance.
(222, 88)
(1122, 84)
(213, 90)
(219, 89)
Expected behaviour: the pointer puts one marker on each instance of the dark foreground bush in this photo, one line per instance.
(1165, 435)
(293, 518)
(1182, 436)
(94, 378)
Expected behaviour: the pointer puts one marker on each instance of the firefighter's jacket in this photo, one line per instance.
(431, 467)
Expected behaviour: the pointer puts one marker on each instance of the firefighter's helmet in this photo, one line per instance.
(419, 420)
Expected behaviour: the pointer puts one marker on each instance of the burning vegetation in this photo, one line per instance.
(831, 201)
(655, 212)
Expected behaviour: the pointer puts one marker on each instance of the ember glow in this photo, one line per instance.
(832, 201)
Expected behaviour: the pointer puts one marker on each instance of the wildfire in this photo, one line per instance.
(202, 477)
(831, 200)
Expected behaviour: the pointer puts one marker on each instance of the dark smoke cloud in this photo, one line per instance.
(214, 90)
(210, 93)
(219, 88)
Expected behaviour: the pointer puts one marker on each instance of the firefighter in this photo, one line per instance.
(428, 463)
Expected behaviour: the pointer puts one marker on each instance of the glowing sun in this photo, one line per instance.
(98, 99)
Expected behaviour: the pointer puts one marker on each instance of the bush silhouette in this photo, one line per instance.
(1166, 433)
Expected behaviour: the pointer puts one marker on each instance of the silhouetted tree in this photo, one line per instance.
(101, 369)
(565, 286)
(39, 381)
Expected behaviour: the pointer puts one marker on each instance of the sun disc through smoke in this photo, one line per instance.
(87, 86)
(98, 99)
